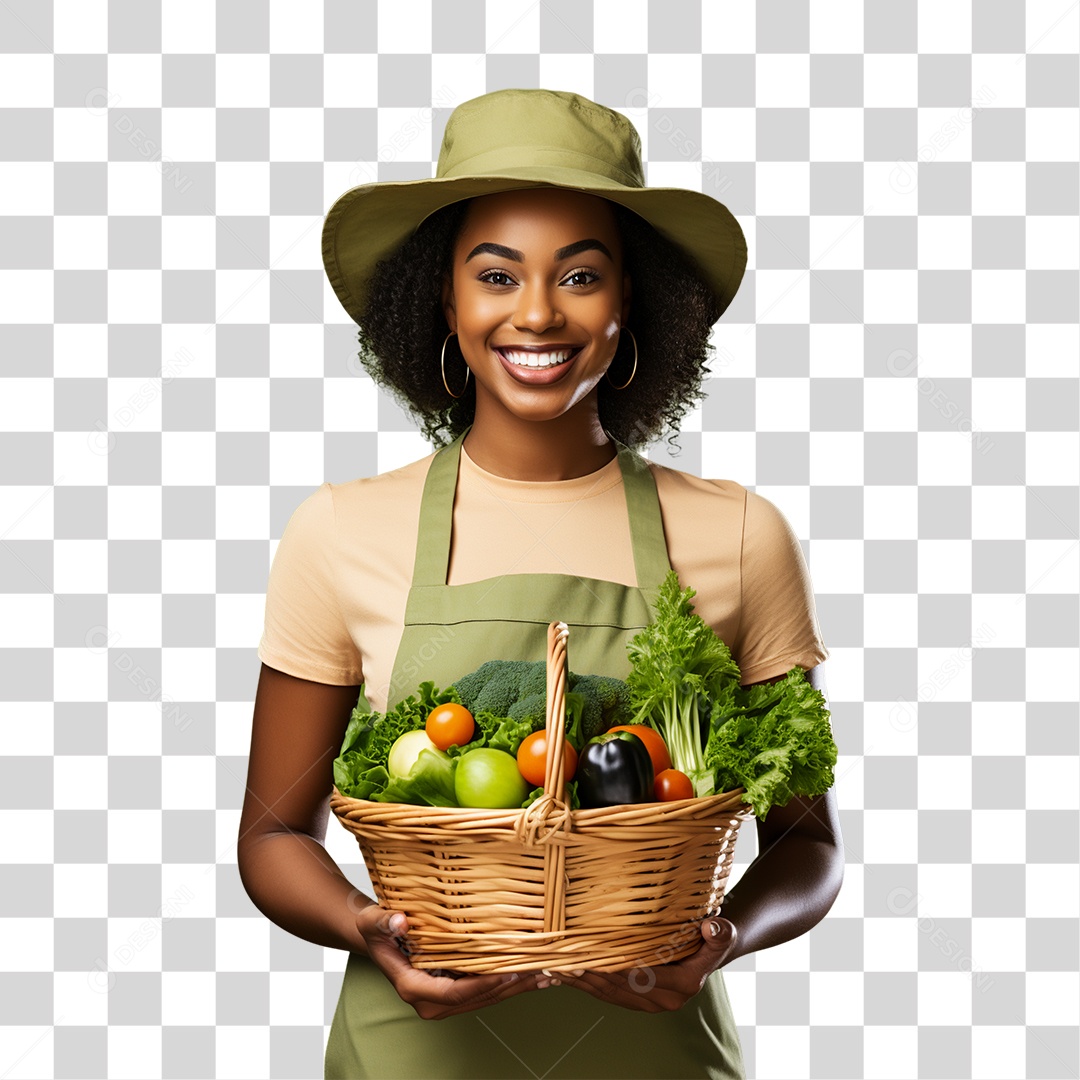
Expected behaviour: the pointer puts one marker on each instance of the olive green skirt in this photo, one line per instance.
(558, 1033)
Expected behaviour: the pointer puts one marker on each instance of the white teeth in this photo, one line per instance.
(538, 360)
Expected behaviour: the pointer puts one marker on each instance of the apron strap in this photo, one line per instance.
(432, 564)
(651, 561)
(437, 516)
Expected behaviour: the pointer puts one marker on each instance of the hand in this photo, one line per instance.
(434, 997)
(663, 987)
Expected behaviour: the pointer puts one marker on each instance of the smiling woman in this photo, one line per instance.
(537, 326)
(541, 313)
(543, 362)
(670, 314)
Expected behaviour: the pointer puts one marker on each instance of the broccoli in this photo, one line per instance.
(531, 708)
(594, 703)
(606, 703)
(498, 684)
(534, 681)
(518, 689)
(533, 711)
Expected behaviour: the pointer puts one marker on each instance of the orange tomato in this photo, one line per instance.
(532, 758)
(671, 785)
(450, 725)
(654, 743)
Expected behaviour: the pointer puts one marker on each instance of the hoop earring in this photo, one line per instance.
(633, 372)
(442, 366)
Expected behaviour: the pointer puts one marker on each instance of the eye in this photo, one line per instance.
(490, 275)
(592, 275)
(589, 276)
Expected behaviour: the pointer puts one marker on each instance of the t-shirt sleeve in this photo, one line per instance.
(778, 625)
(304, 632)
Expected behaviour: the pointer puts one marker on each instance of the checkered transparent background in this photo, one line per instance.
(899, 373)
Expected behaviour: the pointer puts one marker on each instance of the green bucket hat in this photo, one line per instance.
(526, 138)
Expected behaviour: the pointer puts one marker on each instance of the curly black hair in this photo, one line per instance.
(402, 330)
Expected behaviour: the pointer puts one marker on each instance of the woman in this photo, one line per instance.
(568, 308)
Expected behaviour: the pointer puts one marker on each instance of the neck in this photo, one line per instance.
(562, 448)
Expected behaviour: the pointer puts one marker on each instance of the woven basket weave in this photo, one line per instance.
(549, 887)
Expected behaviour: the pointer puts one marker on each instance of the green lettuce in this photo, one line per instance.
(429, 783)
(774, 741)
(360, 768)
(498, 733)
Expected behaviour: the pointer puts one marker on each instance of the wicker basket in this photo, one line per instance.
(548, 887)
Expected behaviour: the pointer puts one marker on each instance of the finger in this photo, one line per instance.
(462, 991)
(394, 924)
(493, 987)
(382, 945)
(597, 983)
(649, 989)
(718, 939)
(719, 933)
(380, 920)
(523, 985)
(386, 952)
(387, 941)
(388, 927)
(612, 993)
(688, 975)
(419, 987)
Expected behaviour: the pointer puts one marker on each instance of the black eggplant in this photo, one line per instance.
(614, 769)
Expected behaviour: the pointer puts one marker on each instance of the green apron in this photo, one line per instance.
(558, 1032)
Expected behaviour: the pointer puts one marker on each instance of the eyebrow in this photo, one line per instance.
(517, 256)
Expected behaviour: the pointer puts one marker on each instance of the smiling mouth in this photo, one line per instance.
(528, 359)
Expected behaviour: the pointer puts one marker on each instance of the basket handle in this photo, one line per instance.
(555, 719)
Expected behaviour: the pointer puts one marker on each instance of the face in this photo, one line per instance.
(537, 276)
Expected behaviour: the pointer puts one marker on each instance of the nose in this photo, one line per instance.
(537, 307)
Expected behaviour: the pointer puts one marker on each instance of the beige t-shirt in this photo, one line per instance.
(335, 599)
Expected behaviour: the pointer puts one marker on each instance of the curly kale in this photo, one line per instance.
(775, 742)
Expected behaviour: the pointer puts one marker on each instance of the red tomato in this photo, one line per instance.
(532, 758)
(450, 725)
(654, 743)
(671, 785)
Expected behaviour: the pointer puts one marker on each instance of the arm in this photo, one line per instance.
(296, 733)
(784, 892)
(796, 876)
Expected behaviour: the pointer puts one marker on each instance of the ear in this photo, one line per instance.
(626, 298)
(448, 303)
